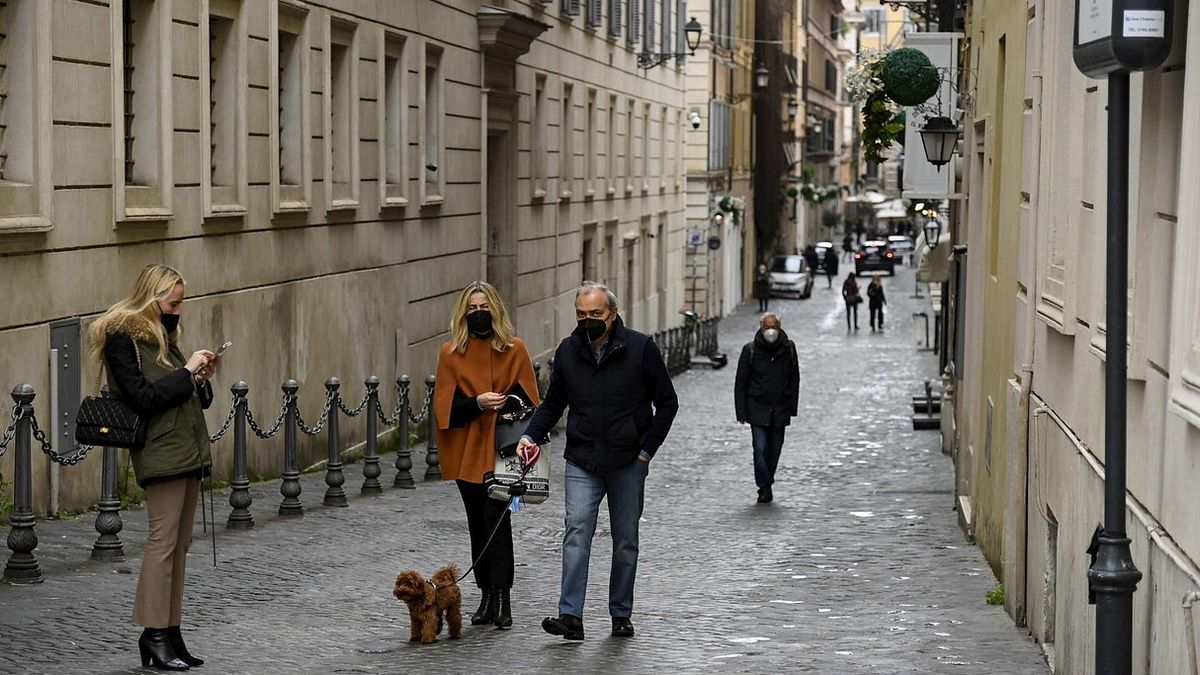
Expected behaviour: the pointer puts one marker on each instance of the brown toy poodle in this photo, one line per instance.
(429, 600)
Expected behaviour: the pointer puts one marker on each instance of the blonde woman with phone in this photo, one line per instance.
(136, 342)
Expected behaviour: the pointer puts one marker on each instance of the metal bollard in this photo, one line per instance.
(290, 487)
(371, 470)
(404, 465)
(22, 566)
(239, 488)
(335, 495)
(108, 545)
(432, 471)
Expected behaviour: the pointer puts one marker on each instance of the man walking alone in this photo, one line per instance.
(622, 404)
(766, 395)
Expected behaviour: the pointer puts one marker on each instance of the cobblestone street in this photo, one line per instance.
(857, 567)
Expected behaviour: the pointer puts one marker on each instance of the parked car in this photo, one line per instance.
(901, 245)
(790, 276)
(875, 256)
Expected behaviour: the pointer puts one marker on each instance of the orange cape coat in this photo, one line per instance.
(467, 452)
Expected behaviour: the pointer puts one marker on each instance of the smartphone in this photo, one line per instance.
(223, 347)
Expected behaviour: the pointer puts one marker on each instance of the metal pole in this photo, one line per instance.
(371, 470)
(239, 488)
(1113, 576)
(404, 479)
(335, 494)
(432, 471)
(290, 487)
(22, 567)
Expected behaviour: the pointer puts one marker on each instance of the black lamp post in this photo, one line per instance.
(691, 33)
(1108, 45)
(940, 136)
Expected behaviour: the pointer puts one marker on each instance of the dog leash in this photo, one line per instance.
(514, 504)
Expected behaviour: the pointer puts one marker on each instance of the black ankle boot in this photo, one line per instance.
(155, 648)
(487, 608)
(181, 649)
(503, 611)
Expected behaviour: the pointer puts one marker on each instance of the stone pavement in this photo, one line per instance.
(857, 567)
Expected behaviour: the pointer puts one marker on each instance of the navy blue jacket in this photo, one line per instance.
(620, 406)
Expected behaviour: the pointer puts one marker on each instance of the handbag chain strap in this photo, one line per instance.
(103, 363)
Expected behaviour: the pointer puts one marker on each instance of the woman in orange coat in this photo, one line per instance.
(481, 365)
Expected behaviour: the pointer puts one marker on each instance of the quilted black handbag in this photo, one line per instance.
(109, 422)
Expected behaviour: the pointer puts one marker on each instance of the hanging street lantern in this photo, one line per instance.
(933, 232)
(762, 76)
(793, 107)
(692, 31)
(940, 136)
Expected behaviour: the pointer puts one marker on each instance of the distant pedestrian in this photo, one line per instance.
(478, 368)
(875, 302)
(848, 247)
(622, 404)
(766, 395)
(811, 259)
(762, 288)
(853, 298)
(831, 266)
(136, 343)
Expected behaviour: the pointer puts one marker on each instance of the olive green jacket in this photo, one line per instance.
(170, 405)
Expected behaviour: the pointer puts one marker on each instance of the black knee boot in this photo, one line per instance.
(487, 607)
(503, 611)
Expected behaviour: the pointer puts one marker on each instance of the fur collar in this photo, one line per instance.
(135, 330)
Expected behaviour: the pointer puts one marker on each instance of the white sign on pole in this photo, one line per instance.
(1095, 20)
(1144, 24)
(695, 236)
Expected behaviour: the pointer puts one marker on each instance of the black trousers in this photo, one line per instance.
(495, 569)
(851, 309)
(762, 303)
(876, 311)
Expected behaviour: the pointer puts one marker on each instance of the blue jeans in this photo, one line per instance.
(625, 488)
(768, 443)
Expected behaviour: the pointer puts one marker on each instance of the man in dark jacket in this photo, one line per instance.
(622, 404)
(766, 395)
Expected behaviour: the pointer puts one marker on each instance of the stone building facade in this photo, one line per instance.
(328, 176)
(1028, 354)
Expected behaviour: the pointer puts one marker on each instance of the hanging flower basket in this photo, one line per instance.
(909, 77)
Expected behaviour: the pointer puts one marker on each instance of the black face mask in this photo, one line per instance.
(593, 329)
(170, 322)
(479, 323)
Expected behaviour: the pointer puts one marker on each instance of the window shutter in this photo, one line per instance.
(570, 7)
(635, 21)
(649, 42)
(666, 27)
(680, 36)
(614, 17)
(595, 7)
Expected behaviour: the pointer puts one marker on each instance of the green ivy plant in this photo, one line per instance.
(882, 126)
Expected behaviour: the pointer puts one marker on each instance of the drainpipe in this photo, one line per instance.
(1189, 620)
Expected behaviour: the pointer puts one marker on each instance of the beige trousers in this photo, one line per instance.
(171, 509)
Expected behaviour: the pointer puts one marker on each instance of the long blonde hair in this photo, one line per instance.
(138, 313)
(502, 328)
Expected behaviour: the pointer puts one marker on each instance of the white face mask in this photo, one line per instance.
(771, 335)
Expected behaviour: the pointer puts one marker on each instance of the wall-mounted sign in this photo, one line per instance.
(695, 236)
(1121, 35)
(714, 243)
